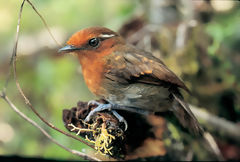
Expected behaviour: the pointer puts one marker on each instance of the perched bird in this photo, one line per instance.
(127, 77)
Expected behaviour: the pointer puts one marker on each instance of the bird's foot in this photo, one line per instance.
(120, 119)
(102, 107)
(93, 102)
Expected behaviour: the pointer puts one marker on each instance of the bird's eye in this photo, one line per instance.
(93, 42)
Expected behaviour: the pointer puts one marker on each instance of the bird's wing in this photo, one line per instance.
(136, 66)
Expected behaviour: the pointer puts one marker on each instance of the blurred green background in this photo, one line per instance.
(51, 82)
(209, 61)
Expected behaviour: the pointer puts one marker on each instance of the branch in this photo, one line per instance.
(44, 22)
(13, 57)
(215, 124)
(13, 62)
(75, 152)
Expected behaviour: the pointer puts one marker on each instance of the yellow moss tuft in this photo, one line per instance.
(102, 139)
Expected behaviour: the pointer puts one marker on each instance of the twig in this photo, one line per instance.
(13, 57)
(28, 103)
(230, 130)
(75, 152)
(217, 125)
(44, 22)
(213, 145)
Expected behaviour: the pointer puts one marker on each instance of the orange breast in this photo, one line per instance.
(93, 67)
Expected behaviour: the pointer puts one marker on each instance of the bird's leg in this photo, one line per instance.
(93, 102)
(120, 118)
(119, 107)
(102, 107)
(112, 107)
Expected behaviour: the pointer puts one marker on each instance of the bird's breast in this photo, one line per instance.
(93, 70)
(94, 65)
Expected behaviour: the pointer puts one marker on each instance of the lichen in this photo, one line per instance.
(102, 139)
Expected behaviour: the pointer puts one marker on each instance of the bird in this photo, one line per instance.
(127, 77)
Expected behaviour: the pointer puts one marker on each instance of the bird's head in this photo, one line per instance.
(91, 45)
(92, 41)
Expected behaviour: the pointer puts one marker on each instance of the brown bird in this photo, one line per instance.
(127, 77)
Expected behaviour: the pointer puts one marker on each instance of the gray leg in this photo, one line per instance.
(93, 102)
(112, 107)
(130, 109)
(100, 107)
(120, 118)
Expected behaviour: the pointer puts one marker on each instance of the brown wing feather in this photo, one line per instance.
(135, 65)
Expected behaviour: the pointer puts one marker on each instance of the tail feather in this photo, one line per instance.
(185, 115)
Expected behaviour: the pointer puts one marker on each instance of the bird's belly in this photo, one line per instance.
(144, 96)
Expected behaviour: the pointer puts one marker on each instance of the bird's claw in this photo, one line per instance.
(120, 119)
(87, 119)
(93, 102)
(102, 107)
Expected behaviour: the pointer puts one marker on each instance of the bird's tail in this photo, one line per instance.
(185, 115)
(189, 121)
